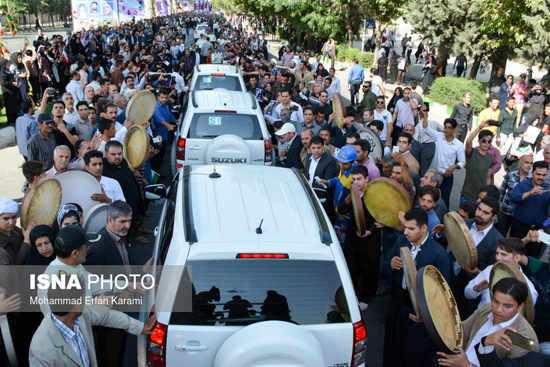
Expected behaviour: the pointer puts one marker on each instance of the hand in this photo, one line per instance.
(46, 95)
(535, 191)
(416, 319)
(378, 225)
(498, 140)
(148, 265)
(398, 157)
(367, 233)
(471, 272)
(487, 96)
(481, 286)
(129, 123)
(170, 127)
(348, 200)
(501, 339)
(102, 198)
(454, 360)
(27, 231)
(449, 171)
(396, 263)
(438, 229)
(282, 154)
(378, 160)
(148, 326)
(388, 142)
(483, 125)
(532, 236)
(96, 140)
(9, 304)
(401, 217)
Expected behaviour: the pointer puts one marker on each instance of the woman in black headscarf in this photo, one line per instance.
(11, 92)
(321, 71)
(17, 68)
(41, 254)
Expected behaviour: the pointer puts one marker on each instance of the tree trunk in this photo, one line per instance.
(378, 31)
(149, 12)
(499, 59)
(441, 60)
(475, 67)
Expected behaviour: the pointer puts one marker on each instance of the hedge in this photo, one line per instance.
(346, 54)
(449, 90)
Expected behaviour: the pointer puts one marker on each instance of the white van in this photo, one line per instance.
(217, 77)
(221, 127)
(252, 275)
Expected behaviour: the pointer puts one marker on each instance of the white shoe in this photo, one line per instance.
(363, 306)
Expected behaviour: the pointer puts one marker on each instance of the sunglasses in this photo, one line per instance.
(379, 102)
(487, 140)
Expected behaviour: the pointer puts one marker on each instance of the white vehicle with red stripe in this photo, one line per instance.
(221, 127)
(252, 275)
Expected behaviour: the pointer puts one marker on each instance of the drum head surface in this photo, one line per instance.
(339, 108)
(460, 240)
(141, 107)
(136, 146)
(409, 272)
(384, 199)
(439, 309)
(96, 218)
(505, 269)
(358, 209)
(42, 203)
(78, 187)
(376, 146)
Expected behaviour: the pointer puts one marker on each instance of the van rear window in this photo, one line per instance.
(211, 82)
(211, 125)
(242, 292)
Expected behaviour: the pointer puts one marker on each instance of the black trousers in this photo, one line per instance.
(36, 90)
(156, 161)
(406, 343)
(363, 260)
(461, 132)
(111, 345)
(355, 85)
(520, 230)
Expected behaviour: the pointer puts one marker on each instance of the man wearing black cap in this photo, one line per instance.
(41, 146)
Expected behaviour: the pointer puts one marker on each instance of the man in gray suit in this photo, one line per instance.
(65, 338)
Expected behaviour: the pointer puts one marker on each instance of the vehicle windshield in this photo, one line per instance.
(211, 125)
(210, 82)
(245, 291)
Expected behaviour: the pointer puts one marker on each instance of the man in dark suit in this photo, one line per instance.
(110, 251)
(485, 237)
(318, 163)
(288, 133)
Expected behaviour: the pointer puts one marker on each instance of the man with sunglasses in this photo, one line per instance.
(381, 114)
(369, 99)
(478, 162)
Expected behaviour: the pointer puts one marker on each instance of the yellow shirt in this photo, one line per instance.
(489, 114)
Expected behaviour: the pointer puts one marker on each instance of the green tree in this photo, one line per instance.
(536, 47)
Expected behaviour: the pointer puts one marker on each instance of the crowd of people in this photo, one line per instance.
(87, 82)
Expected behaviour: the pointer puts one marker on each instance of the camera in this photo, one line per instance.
(293, 109)
(494, 123)
(54, 92)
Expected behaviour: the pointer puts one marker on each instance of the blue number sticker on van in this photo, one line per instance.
(214, 121)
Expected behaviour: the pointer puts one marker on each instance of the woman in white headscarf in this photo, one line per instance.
(13, 239)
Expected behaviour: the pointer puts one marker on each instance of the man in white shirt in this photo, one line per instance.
(180, 82)
(382, 114)
(70, 115)
(83, 126)
(509, 249)
(335, 86)
(110, 189)
(75, 88)
(449, 154)
(377, 84)
(509, 297)
(296, 115)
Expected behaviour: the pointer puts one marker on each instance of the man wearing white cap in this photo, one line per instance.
(13, 240)
(288, 134)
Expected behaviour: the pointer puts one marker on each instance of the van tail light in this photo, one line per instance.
(359, 343)
(156, 346)
(268, 153)
(180, 149)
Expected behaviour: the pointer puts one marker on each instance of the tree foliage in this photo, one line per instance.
(536, 47)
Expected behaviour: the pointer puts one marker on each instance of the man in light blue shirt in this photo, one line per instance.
(25, 127)
(355, 79)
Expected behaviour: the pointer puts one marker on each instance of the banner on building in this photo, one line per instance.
(94, 13)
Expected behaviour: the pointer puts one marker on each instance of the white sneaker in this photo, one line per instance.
(363, 306)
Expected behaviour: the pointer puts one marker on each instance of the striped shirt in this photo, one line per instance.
(41, 149)
(510, 181)
(420, 133)
(74, 338)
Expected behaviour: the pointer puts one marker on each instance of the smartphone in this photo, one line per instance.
(336, 151)
(520, 340)
(395, 149)
(544, 237)
(157, 140)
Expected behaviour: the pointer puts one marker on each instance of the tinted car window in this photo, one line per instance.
(245, 291)
(210, 82)
(211, 125)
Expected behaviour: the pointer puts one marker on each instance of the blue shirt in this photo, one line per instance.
(534, 209)
(162, 113)
(26, 127)
(356, 73)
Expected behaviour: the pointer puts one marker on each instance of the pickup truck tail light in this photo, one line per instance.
(180, 149)
(359, 343)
